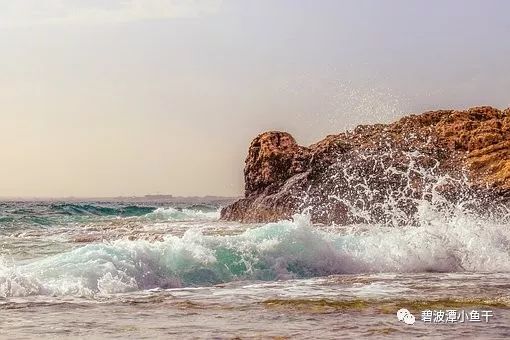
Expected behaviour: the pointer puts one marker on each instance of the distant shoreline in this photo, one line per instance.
(146, 198)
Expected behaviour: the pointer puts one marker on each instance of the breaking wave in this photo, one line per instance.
(185, 214)
(274, 251)
(62, 213)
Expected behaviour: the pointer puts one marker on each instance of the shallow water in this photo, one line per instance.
(115, 270)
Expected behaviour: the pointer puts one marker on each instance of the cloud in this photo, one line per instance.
(20, 13)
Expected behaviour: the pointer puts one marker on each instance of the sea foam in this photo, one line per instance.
(274, 251)
(185, 214)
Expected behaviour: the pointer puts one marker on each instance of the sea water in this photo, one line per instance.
(160, 270)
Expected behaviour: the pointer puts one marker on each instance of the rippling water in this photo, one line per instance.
(111, 269)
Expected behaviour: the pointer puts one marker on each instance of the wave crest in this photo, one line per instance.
(185, 214)
(282, 250)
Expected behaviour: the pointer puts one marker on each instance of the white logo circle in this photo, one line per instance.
(409, 319)
(405, 316)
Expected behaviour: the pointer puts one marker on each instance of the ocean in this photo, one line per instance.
(159, 270)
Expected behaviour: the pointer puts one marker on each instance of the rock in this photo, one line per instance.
(379, 173)
(273, 158)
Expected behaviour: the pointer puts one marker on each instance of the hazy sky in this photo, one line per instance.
(130, 97)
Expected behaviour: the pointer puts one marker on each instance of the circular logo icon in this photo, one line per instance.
(405, 316)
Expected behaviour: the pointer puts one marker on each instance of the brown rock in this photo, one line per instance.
(378, 173)
(273, 158)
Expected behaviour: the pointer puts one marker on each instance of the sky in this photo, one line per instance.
(135, 97)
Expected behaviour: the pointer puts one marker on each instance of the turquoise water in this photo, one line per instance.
(115, 269)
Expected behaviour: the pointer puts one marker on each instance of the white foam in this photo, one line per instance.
(173, 214)
(282, 250)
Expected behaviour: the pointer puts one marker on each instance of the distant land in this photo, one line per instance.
(221, 200)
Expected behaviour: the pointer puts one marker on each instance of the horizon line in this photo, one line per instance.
(149, 196)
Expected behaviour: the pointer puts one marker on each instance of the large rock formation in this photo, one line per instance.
(379, 173)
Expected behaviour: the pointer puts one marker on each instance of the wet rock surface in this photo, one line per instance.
(379, 172)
